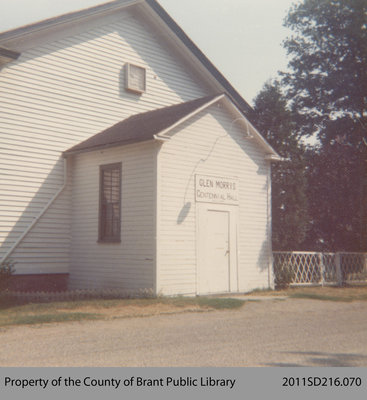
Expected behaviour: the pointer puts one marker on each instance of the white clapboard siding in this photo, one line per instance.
(131, 263)
(233, 156)
(56, 95)
(46, 248)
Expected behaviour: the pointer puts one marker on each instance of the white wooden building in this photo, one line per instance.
(127, 160)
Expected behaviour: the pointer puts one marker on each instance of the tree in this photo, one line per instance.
(289, 201)
(334, 195)
(327, 91)
(328, 79)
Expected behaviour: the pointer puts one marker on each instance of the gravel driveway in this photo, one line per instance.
(291, 332)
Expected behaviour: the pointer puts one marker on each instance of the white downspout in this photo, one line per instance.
(37, 218)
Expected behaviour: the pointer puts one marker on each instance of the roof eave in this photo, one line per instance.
(7, 55)
(14, 34)
(188, 116)
(275, 158)
(65, 19)
(71, 152)
(253, 133)
(182, 36)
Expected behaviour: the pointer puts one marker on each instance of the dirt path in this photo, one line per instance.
(289, 332)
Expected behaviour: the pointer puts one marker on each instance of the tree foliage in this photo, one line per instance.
(289, 201)
(327, 92)
(335, 194)
(327, 82)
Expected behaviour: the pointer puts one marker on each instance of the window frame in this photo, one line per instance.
(101, 221)
(129, 86)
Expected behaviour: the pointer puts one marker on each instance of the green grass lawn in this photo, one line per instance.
(321, 296)
(51, 312)
(36, 313)
(327, 293)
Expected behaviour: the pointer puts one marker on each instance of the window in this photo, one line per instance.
(135, 78)
(110, 203)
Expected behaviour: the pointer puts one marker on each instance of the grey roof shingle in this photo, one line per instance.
(140, 127)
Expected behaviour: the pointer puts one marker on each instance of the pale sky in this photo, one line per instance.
(241, 37)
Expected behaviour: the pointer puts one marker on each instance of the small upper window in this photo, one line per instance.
(135, 78)
(110, 203)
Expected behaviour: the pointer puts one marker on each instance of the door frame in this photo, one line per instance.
(201, 210)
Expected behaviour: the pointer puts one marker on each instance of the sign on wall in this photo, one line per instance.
(215, 189)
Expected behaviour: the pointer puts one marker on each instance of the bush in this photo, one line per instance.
(6, 270)
(284, 275)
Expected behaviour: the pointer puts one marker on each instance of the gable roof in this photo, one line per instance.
(154, 124)
(155, 10)
(231, 91)
(141, 127)
(154, 13)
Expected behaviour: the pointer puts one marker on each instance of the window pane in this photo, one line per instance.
(109, 224)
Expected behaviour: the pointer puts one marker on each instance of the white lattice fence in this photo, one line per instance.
(353, 267)
(330, 268)
(322, 268)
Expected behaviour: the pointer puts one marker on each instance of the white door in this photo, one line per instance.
(215, 274)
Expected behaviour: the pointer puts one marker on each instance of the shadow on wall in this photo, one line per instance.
(185, 210)
(264, 255)
(48, 242)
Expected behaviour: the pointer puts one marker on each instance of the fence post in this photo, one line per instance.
(322, 269)
(339, 276)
